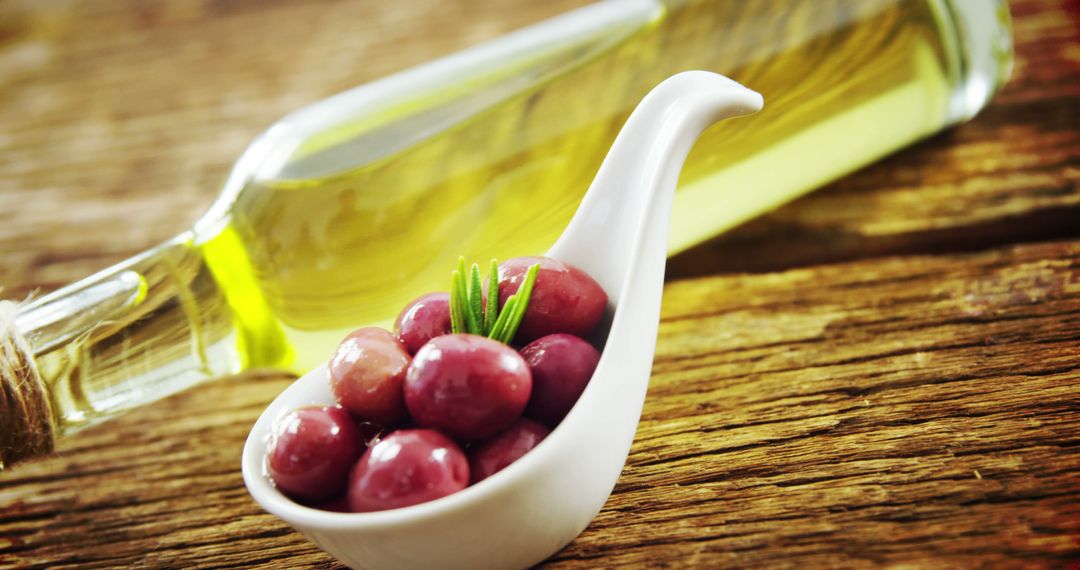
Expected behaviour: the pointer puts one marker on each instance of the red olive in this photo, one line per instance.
(406, 468)
(491, 456)
(466, 386)
(366, 374)
(312, 450)
(564, 298)
(561, 366)
(423, 320)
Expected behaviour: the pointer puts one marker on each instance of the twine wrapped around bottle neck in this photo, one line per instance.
(27, 427)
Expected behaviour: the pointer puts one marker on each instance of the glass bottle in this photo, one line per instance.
(343, 211)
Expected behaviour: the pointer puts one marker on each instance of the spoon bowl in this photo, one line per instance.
(538, 504)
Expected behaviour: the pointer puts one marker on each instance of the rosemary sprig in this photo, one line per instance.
(473, 299)
(468, 313)
(458, 301)
(515, 307)
(498, 331)
(492, 311)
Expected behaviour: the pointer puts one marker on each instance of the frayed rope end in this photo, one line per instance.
(27, 426)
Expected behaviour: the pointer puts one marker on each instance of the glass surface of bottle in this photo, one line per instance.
(344, 211)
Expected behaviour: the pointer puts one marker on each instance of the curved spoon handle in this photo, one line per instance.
(622, 223)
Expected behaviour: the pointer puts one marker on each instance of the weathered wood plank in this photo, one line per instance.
(920, 410)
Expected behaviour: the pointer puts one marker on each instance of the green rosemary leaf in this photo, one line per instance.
(504, 317)
(467, 326)
(457, 315)
(525, 292)
(476, 301)
(491, 312)
(461, 266)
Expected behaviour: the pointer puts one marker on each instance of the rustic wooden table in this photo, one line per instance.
(884, 373)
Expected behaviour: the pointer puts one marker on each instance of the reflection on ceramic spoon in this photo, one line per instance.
(538, 504)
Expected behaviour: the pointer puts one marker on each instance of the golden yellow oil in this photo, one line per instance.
(845, 82)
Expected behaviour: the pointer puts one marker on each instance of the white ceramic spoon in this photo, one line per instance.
(541, 502)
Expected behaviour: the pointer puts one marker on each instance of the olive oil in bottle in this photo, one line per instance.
(343, 212)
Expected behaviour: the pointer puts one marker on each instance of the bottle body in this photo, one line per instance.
(343, 212)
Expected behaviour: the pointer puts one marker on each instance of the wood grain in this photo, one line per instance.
(882, 374)
(921, 411)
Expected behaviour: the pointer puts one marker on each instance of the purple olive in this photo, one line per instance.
(312, 450)
(423, 320)
(407, 467)
(564, 298)
(561, 366)
(466, 386)
(366, 374)
(491, 456)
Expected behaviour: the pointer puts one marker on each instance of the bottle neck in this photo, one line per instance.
(134, 333)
